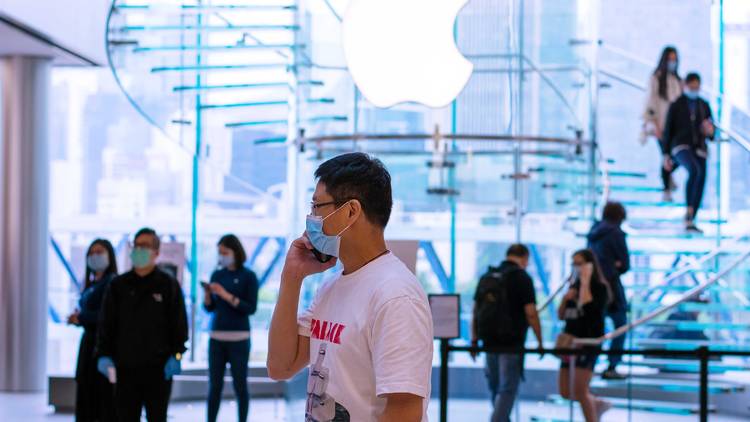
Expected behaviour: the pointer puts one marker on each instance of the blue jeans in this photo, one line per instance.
(236, 353)
(504, 373)
(619, 318)
(696, 167)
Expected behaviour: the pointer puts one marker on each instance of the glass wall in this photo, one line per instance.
(203, 142)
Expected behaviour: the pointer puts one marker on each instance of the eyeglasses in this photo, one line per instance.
(314, 206)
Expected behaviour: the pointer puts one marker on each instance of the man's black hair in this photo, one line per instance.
(692, 76)
(152, 232)
(517, 250)
(358, 176)
(231, 241)
(614, 212)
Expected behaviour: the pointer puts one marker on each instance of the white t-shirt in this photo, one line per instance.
(370, 334)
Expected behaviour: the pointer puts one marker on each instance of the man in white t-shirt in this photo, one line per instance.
(367, 335)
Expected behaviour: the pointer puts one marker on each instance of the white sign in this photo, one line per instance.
(404, 51)
(446, 311)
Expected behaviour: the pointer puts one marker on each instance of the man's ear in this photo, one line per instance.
(355, 208)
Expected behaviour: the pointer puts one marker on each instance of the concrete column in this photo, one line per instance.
(24, 236)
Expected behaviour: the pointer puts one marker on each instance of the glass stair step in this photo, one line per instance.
(690, 366)
(692, 307)
(669, 344)
(225, 67)
(285, 121)
(699, 326)
(667, 385)
(586, 172)
(203, 8)
(659, 204)
(652, 406)
(209, 28)
(279, 140)
(223, 47)
(713, 288)
(243, 86)
(264, 103)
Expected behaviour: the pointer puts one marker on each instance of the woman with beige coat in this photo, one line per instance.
(665, 86)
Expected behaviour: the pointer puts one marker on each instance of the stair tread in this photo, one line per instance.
(647, 405)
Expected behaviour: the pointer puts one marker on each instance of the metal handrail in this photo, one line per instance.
(438, 136)
(666, 308)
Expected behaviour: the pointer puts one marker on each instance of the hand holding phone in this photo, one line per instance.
(204, 285)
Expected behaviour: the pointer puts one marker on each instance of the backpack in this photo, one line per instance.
(493, 323)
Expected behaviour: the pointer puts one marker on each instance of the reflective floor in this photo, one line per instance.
(33, 408)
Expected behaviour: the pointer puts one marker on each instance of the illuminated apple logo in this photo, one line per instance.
(404, 51)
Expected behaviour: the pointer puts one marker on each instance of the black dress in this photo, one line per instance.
(586, 321)
(94, 393)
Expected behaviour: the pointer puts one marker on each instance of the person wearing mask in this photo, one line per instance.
(504, 309)
(689, 124)
(142, 334)
(367, 335)
(607, 240)
(583, 308)
(664, 87)
(231, 297)
(94, 395)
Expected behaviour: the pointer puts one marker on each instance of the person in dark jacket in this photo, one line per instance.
(232, 296)
(689, 124)
(142, 334)
(94, 395)
(583, 308)
(607, 240)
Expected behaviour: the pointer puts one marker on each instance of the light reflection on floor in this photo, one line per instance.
(33, 408)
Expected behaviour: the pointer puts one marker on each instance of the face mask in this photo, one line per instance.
(324, 243)
(97, 262)
(672, 66)
(140, 257)
(226, 261)
(691, 94)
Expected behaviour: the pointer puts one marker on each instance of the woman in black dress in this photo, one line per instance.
(94, 399)
(583, 308)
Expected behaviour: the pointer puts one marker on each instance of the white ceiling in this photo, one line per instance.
(18, 39)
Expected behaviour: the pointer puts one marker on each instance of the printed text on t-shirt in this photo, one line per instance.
(326, 331)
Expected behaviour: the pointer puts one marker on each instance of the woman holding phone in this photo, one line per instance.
(231, 296)
(583, 308)
(94, 395)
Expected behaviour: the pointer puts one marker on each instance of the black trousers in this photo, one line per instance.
(141, 387)
(94, 394)
(236, 353)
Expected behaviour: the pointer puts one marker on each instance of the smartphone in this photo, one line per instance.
(204, 284)
(320, 256)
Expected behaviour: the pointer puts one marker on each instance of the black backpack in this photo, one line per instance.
(493, 323)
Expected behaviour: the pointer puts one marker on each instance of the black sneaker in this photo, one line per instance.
(690, 227)
(612, 374)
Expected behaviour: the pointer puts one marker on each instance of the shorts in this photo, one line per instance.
(585, 361)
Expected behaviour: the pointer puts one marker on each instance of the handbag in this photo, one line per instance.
(564, 341)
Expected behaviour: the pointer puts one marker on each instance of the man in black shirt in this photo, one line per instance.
(142, 334)
(505, 371)
(689, 124)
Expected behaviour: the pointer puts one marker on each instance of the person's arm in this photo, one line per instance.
(89, 315)
(248, 303)
(622, 260)
(107, 326)
(400, 407)
(179, 319)
(288, 350)
(208, 301)
(668, 132)
(708, 124)
(532, 317)
(650, 107)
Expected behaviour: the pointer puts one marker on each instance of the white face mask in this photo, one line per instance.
(226, 261)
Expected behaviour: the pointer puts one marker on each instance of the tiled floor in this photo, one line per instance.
(33, 408)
